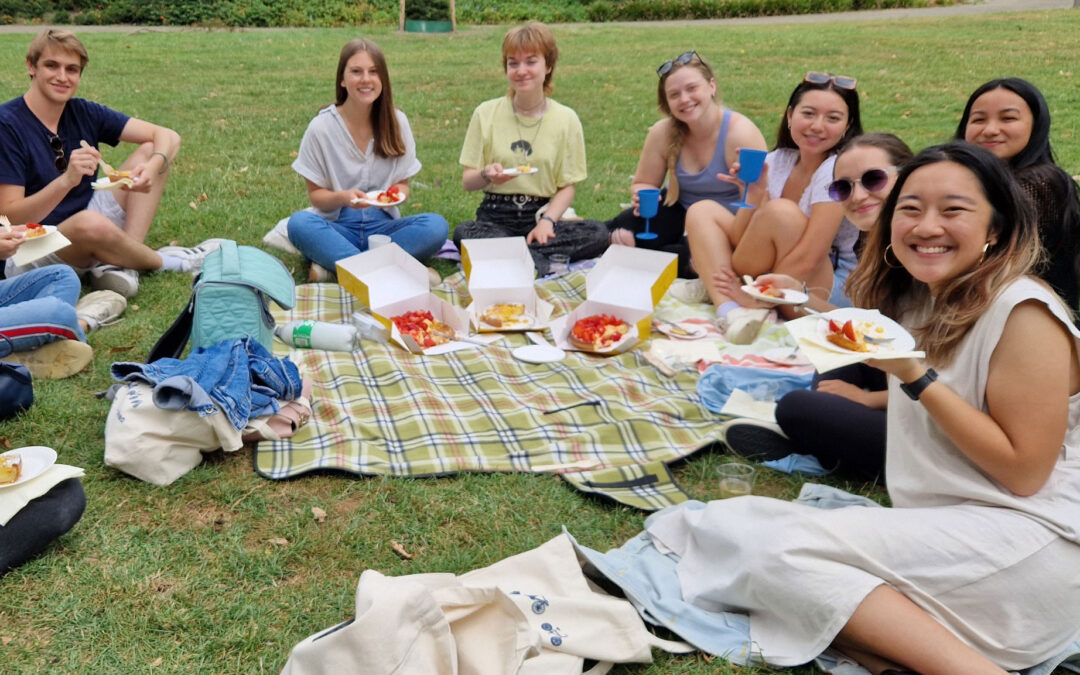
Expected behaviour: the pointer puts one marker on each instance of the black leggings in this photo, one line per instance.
(505, 216)
(845, 436)
(41, 521)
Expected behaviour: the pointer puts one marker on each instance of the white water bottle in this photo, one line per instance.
(334, 337)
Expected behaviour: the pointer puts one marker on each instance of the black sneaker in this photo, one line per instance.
(756, 441)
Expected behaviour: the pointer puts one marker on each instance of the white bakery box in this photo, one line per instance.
(501, 271)
(391, 282)
(626, 283)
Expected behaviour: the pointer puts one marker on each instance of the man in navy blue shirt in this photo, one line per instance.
(50, 158)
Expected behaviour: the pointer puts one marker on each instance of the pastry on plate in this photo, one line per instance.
(847, 336)
(423, 327)
(598, 332)
(10, 468)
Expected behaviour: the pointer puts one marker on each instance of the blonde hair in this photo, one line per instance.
(677, 131)
(62, 39)
(532, 38)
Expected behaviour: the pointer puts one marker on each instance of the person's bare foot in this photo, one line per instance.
(622, 237)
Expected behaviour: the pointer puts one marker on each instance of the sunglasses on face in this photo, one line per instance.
(840, 81)
(681, 59)
(59, 161)
(873, 180)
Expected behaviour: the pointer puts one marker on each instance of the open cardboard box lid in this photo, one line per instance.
(627, 283)
(391, 282)
(501, 270)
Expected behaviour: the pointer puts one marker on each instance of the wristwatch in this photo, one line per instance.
(916, 388)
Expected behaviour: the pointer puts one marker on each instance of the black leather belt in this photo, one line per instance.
(520, 200)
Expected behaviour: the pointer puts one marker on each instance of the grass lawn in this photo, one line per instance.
(186, 578)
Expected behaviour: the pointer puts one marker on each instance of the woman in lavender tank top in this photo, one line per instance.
(697, 139)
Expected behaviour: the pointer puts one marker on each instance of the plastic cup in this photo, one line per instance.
(560, 263)
(648, 202)
(377, 240)
(751, 162)
(736, 479)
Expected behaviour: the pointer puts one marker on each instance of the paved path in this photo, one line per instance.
(983, 7)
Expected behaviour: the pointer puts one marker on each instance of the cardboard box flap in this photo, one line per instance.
(631, 277)
(383, 277)
(501, 262)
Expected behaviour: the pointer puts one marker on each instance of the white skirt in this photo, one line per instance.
(1000, 581)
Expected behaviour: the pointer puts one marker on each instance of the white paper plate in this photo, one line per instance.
(35, 460)
(39, 247)
(878, 323)
(514, 171)
(538, 354)
(791, 296)
(785, 356)
(373, 200)
(693, 331)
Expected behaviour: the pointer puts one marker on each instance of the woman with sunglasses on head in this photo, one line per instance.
(840, 420)
(526, 152)
(795, 228)
(697, 139)
(361, 144)
(973, 568)
(1010, 118)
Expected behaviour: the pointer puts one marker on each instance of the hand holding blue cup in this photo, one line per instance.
(648, 206)
(751, 164)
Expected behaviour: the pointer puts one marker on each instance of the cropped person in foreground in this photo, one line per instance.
(973, 569)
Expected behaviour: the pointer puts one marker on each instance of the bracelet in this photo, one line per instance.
(165, 166)
(548, 218)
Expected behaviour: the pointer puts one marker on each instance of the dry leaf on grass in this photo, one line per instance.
(157, 662)
(320, 515)
(6, 639)
(278, 541)
(400, 550)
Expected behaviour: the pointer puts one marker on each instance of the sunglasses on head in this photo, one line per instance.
(840, 81)
(873, 180)
(59, 161)
(681, 59)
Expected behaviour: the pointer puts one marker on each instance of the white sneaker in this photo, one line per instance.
(194, 255)
(741, 325)
(116, 279)
(100, 308)
(689, 291)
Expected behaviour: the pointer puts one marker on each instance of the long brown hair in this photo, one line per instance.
(677, 130)
(965, 298)
(384, 123)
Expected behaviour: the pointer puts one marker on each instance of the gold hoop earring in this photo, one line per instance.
(885, 257)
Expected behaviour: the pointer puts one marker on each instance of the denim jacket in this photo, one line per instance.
(238, 376)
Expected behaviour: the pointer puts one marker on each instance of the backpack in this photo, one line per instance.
(230, 300)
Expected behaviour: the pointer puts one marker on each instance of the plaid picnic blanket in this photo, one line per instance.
(385, 411)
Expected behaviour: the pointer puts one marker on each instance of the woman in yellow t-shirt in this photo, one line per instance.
(526, 151)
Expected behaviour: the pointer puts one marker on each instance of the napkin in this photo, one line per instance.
(39, 247)
(12, 499)
(805, 331)
(742, 404)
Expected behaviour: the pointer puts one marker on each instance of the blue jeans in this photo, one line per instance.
(38, 306)
(843, 265)
(327, 241)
